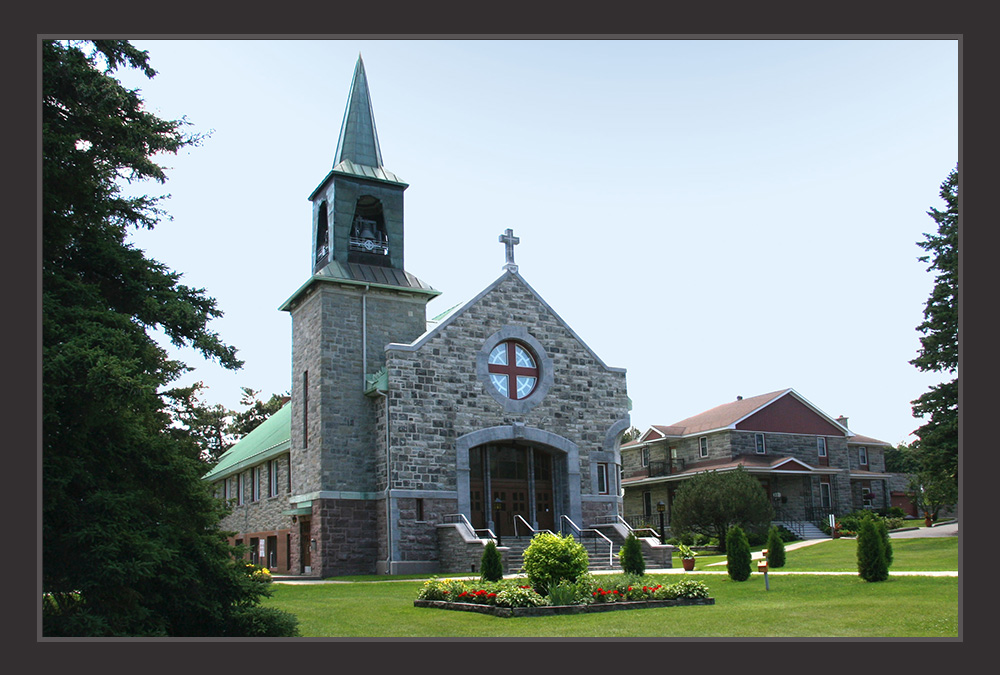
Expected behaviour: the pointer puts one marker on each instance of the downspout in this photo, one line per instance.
(364, 386)
(388, 483)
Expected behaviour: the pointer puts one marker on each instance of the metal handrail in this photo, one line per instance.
(469, 525)
(611, 545)
(517, 517)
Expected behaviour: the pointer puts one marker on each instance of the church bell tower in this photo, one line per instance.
(358, 207)
(358, 299)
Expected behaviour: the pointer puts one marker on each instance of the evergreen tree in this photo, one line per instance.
(936, 449)
(737, 554)
(491, 564)
(630, 556)
(130, 538)
(883, 532)
(775, 548)
(872, 564)
(256, 412)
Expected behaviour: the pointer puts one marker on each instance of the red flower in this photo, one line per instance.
(492, 595)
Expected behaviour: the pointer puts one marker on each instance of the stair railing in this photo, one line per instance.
(581, 533)
(529, 528)
(460, 517)
(652, 533)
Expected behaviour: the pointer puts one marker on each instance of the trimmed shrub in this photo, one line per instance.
(883, 530)
(872, 565)
(737, 554)
(491, 565)
(775, 548)
(630, 556)
(257, 621)
(550, 558)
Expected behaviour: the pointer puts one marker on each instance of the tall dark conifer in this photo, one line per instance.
(936, 449)
(131, 544)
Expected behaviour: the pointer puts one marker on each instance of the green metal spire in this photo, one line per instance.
(358, 142)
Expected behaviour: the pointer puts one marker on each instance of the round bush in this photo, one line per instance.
(551, 558)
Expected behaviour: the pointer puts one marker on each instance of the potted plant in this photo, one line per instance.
(687, 557)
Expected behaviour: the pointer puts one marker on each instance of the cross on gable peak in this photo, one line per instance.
(509, 241)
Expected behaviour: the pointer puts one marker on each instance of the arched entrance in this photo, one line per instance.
(507, 480)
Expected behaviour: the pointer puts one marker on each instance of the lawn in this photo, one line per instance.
(840, 555)
(795, 606)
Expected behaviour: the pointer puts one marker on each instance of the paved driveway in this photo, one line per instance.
(945, 530)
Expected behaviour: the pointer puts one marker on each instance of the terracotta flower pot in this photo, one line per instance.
(688, 564)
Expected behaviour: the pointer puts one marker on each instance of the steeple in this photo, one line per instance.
(357, 220)
(358, 142)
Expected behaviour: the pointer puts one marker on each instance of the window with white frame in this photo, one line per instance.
(602, 479)
(863, 456)
(239, 489)
(824, 495)
(703, 446)
(645, 456)
(272, 478)
(255, 484)
(758, 441)
(821, 446)
(647, 504)
(866, 495)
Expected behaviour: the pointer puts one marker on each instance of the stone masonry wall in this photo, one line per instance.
(436, 395)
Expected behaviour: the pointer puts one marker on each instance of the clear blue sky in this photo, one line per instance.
(721, 218)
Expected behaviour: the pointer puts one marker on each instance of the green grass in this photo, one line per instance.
(840, 555)
(795, 606)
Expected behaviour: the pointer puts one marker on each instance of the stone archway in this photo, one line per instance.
(523, 465)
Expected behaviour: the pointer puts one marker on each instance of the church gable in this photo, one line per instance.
(451, 382)
(789, 414)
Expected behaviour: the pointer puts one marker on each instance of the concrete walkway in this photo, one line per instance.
(945, 529)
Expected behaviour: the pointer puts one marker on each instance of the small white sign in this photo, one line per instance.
(833, 521)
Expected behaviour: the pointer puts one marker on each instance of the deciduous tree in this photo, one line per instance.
(712, 502)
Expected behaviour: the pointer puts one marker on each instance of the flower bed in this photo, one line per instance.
(510, 597)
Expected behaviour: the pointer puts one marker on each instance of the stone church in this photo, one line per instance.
(408, 442)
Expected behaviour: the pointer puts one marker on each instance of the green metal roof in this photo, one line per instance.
(273, 437)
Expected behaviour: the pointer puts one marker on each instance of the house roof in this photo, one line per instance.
(858, 439)
(731, 415)
(725, 415)
(271, 438)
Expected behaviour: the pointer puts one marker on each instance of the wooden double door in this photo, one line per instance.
(506, 481)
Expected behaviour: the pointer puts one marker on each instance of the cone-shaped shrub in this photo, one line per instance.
(775, 548)
(883, 530)
(491, 565)
(737, 554)
(872, 565)
(631, 556)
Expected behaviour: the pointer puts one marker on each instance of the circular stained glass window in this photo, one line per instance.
(513, 370)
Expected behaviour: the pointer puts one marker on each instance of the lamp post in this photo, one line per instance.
(498, 503)
(661, 507)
